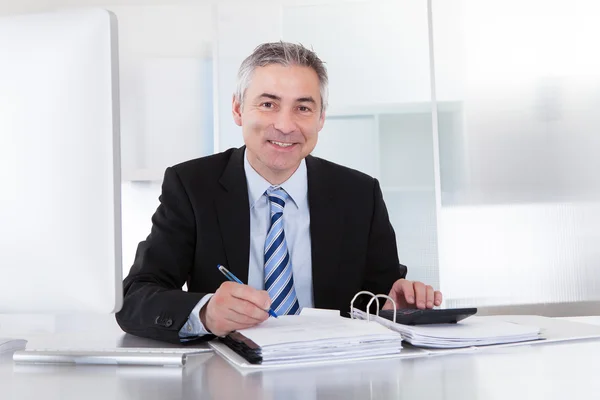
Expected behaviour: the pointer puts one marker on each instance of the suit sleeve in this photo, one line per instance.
(383, 267)
(154, 304)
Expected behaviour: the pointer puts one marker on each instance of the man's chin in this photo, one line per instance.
(282, 166)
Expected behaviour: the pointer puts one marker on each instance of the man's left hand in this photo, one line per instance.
(410, 294)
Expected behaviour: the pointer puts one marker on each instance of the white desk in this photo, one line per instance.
(588, 320)
(544, 371)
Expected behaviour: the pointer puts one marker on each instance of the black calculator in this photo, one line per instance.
(413, 316)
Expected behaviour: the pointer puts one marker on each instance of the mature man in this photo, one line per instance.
(301, 231)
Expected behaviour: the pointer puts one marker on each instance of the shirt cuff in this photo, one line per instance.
(194, 328)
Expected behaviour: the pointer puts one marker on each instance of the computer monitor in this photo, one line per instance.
(60, 222)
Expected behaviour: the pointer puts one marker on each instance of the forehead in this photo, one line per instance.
(284, 81)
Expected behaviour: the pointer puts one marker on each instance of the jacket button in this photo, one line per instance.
(168, 322)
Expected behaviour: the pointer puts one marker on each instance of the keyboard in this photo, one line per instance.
(176, 357)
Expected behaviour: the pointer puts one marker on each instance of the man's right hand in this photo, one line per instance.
(234, 306)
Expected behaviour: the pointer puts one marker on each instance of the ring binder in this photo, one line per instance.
(318, 336)
(373, 297)
(312, 336)
(438, 328)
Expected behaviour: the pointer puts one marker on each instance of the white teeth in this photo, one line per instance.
(281, 143)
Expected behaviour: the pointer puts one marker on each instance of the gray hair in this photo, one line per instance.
(286, 54)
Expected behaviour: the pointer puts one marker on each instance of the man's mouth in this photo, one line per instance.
(281, 144)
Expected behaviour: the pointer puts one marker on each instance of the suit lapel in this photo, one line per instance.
(326, 227)
(233, 212)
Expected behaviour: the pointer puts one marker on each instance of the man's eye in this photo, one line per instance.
(303, 108)
(267, 104)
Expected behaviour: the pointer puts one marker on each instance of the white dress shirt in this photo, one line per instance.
(296, 223)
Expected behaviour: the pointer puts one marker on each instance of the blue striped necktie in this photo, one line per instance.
(279, 281)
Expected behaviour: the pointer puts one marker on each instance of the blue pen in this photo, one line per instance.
(234, 278)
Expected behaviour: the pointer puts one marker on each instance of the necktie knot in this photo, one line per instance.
(277, 198)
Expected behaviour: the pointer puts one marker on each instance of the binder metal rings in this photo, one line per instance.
(373, 297)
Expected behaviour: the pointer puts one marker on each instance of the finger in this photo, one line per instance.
(250, 311)
(232, 296)
(240, 321)
(420, 294)
(430, 296)
(220, 319)
(438, 298)
(258, 297)
(404, 288)
(388, 305)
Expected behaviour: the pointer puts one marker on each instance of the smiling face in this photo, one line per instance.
(281, 118)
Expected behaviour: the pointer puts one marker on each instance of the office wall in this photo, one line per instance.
(166, 95)
(516, 87)
(520, 191)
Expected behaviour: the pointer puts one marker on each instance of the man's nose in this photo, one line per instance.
(284, 122)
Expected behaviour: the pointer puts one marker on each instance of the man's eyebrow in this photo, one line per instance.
(269, 96)
(308, 99)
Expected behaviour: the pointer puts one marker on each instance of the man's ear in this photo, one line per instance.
(236, 110)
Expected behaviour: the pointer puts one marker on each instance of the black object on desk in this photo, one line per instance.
(411, 316)
(244, 347)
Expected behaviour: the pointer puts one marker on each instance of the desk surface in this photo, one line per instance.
(546, 371)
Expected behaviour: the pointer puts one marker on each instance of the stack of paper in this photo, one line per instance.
(302, 338)
(472, 331)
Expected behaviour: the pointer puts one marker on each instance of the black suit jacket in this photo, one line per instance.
(204, 219)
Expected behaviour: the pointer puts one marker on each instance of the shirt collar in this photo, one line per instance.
(296, 186)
